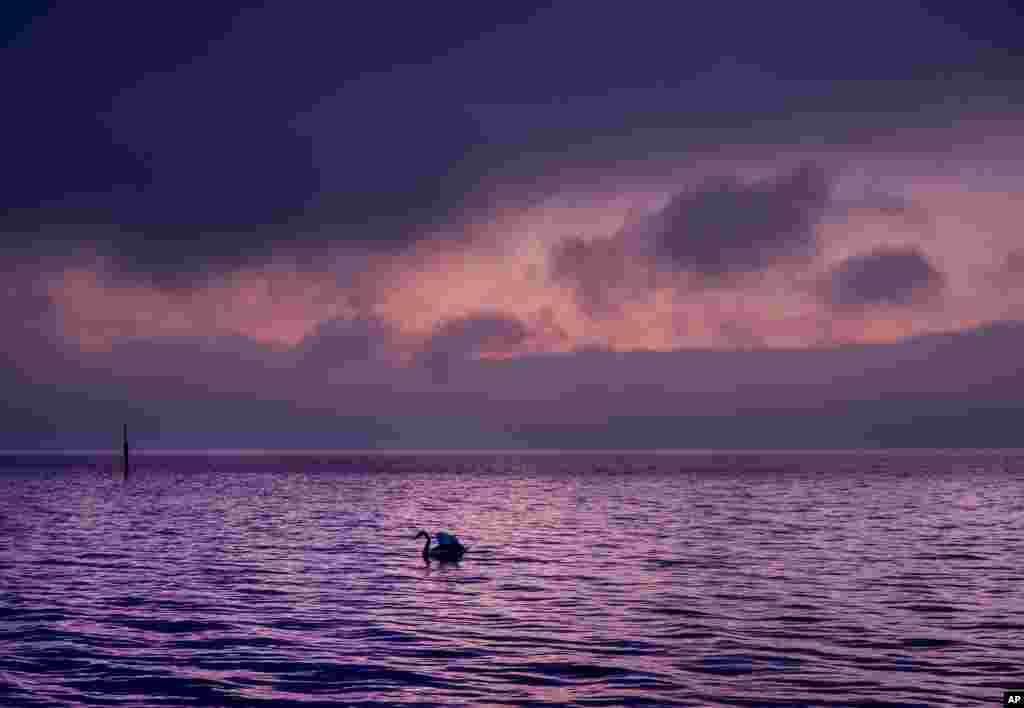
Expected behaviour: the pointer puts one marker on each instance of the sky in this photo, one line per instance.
(509, 225)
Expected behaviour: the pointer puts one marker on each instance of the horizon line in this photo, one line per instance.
(507, 451)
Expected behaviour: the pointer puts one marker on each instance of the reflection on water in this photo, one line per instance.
(715, 579)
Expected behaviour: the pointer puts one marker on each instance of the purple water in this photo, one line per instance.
(780, 579)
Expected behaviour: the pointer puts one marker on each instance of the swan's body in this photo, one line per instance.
(448, 547)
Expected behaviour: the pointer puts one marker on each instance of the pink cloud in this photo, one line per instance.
(578, 273)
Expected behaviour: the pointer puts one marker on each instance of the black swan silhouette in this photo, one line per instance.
(448, 547)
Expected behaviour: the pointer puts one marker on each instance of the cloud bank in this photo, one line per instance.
(280, 218)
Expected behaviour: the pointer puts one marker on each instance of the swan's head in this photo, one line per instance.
(421, 534)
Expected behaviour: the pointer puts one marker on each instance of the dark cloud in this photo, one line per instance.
(337, 342)
(458, 340)
(26, 300)
(604, 271)
(184, 142)
(889, 276)
(233, 133)
(190, 390)
(727, 226)
(892, 424)
(722, 227)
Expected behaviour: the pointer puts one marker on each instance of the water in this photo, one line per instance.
(702, 579)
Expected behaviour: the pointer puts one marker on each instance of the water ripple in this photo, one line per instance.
(717, 579)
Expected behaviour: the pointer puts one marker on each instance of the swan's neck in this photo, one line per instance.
(426, 549)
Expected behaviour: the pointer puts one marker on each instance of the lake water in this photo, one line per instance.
(783, 579)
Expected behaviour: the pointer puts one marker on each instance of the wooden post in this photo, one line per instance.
(124, 449)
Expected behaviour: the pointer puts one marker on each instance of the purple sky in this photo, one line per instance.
(575, 225)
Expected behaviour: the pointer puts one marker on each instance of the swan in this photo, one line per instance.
(448, 547)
